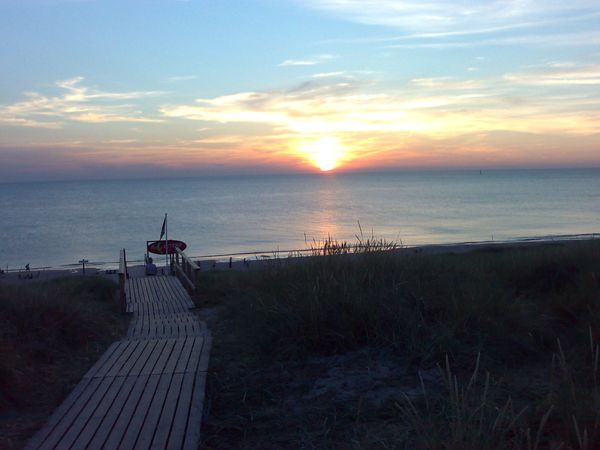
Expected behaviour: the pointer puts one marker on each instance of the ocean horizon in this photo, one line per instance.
(54, 223)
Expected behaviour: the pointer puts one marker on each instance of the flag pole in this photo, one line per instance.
(167, 245)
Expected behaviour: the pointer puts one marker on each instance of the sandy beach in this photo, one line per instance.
(255, 261)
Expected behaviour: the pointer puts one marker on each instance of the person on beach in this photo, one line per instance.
(150, 267)
(28, 275)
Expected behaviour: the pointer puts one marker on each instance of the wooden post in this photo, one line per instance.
(125, 262)
(123, 275)
(122, 297)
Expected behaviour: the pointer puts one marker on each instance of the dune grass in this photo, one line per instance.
(529, 316)
(50, 333)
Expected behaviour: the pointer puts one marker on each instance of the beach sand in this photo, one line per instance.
(256, 261)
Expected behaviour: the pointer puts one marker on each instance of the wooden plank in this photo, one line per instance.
(140, 296)
(171, 298)
(165, 397)
(130, 409)
(138, 416)
(194, 356)
(176, 325)
(154, 412)
(167, 417)
(164, 356)
(143, 297)
(176, 355)
(137, 358)
(91, 428)
(150, 357)
(192, 433)
(166, 306)
(205, 358)
(186, 417)
(182, 412)
(133, 294)
(137, 296)
(169, 306)
(182, 363)
(84, 415)
(120, 360)
(109, 421)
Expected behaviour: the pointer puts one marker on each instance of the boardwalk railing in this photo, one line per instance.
(186, 270)
(122, 280)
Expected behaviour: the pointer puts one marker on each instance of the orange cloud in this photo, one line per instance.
(441, 109)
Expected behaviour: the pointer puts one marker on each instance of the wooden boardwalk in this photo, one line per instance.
(146, 391)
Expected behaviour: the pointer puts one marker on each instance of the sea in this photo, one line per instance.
(56, 224)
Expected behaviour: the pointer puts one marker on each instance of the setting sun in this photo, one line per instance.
(325, 153)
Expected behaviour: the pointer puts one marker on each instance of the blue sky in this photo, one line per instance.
(150, 88)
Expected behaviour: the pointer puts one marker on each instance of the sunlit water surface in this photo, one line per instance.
(62, 222)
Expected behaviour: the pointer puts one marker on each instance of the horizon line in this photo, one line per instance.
(332, 173)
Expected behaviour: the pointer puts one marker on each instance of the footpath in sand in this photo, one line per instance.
(147, 390)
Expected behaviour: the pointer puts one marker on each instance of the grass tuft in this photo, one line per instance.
(466, 417)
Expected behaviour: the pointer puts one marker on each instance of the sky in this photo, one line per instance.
(160, 88)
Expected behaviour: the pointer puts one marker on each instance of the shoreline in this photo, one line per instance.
(257, 259)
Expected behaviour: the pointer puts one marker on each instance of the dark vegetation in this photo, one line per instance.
(50, 334)
(494, 348)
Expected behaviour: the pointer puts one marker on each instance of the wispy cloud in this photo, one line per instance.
(307, 61)
(542, 39)
(75, 102)
(462, 24)
(457, 16)
(447, 83)
(297, 62)
(327, 74)
(439, 107)
(559, 74)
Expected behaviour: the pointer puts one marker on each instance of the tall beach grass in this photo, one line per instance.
(529, 315)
